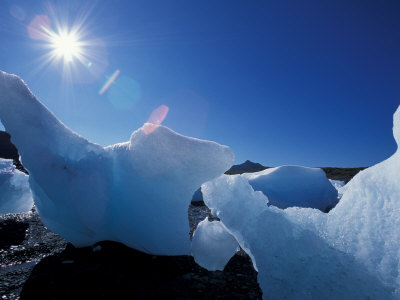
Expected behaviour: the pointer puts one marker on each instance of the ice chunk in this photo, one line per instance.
(136, 192)
(212, 245)
(350, 253)
(293, 262)
(337, 184)
(288, 186)
(366, 221)
(15, 194)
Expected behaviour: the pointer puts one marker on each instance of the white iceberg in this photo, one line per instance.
(288, 186)
(366, 221)
(15, 194)
(213, 245)
(302, 253)
(136, 192)
(293, 262)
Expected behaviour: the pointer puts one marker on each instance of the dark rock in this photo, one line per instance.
(24, 242)
(12, 232)
(116, 271)
(41, 265)
(9, 151)
(343, 174)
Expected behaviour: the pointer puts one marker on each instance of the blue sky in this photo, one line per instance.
(311, 83)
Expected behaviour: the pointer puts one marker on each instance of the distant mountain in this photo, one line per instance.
(246, 167)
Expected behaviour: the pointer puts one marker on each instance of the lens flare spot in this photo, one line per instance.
(109, 82)
(124, 93)
(39, 27)
(17, 12)
(156, 118)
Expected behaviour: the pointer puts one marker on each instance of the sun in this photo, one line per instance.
(66, 45)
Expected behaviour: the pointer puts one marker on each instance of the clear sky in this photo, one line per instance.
(311, 83)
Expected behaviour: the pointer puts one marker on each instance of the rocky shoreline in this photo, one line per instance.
(38, 264)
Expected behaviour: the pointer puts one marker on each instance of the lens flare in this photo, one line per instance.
(109, 82)
(124, 93)
(38, 28)
(156, 118)
(18, 13)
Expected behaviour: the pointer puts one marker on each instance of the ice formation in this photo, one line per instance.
(136, 192)
(15, 194)
(288, 186)
(366, 221)
(213, 245)
(293, 262)
(350, 253)
(339, 185)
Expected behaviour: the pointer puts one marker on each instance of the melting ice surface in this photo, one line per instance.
(136, 192)
(351, 253)
(15, 194)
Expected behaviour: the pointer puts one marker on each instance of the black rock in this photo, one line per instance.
(110, 270)
(9, 151)
(38, 264)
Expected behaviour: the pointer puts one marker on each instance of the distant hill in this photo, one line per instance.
(246, 167)
(343, 174)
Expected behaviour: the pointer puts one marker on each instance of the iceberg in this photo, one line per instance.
(301, 253)
(288, 186)
(15, 194)
(136, 192)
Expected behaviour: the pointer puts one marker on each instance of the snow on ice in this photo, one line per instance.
(136, 192)
(350, 253)
(15, 194)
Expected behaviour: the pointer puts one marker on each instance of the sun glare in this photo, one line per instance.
(66, 45)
